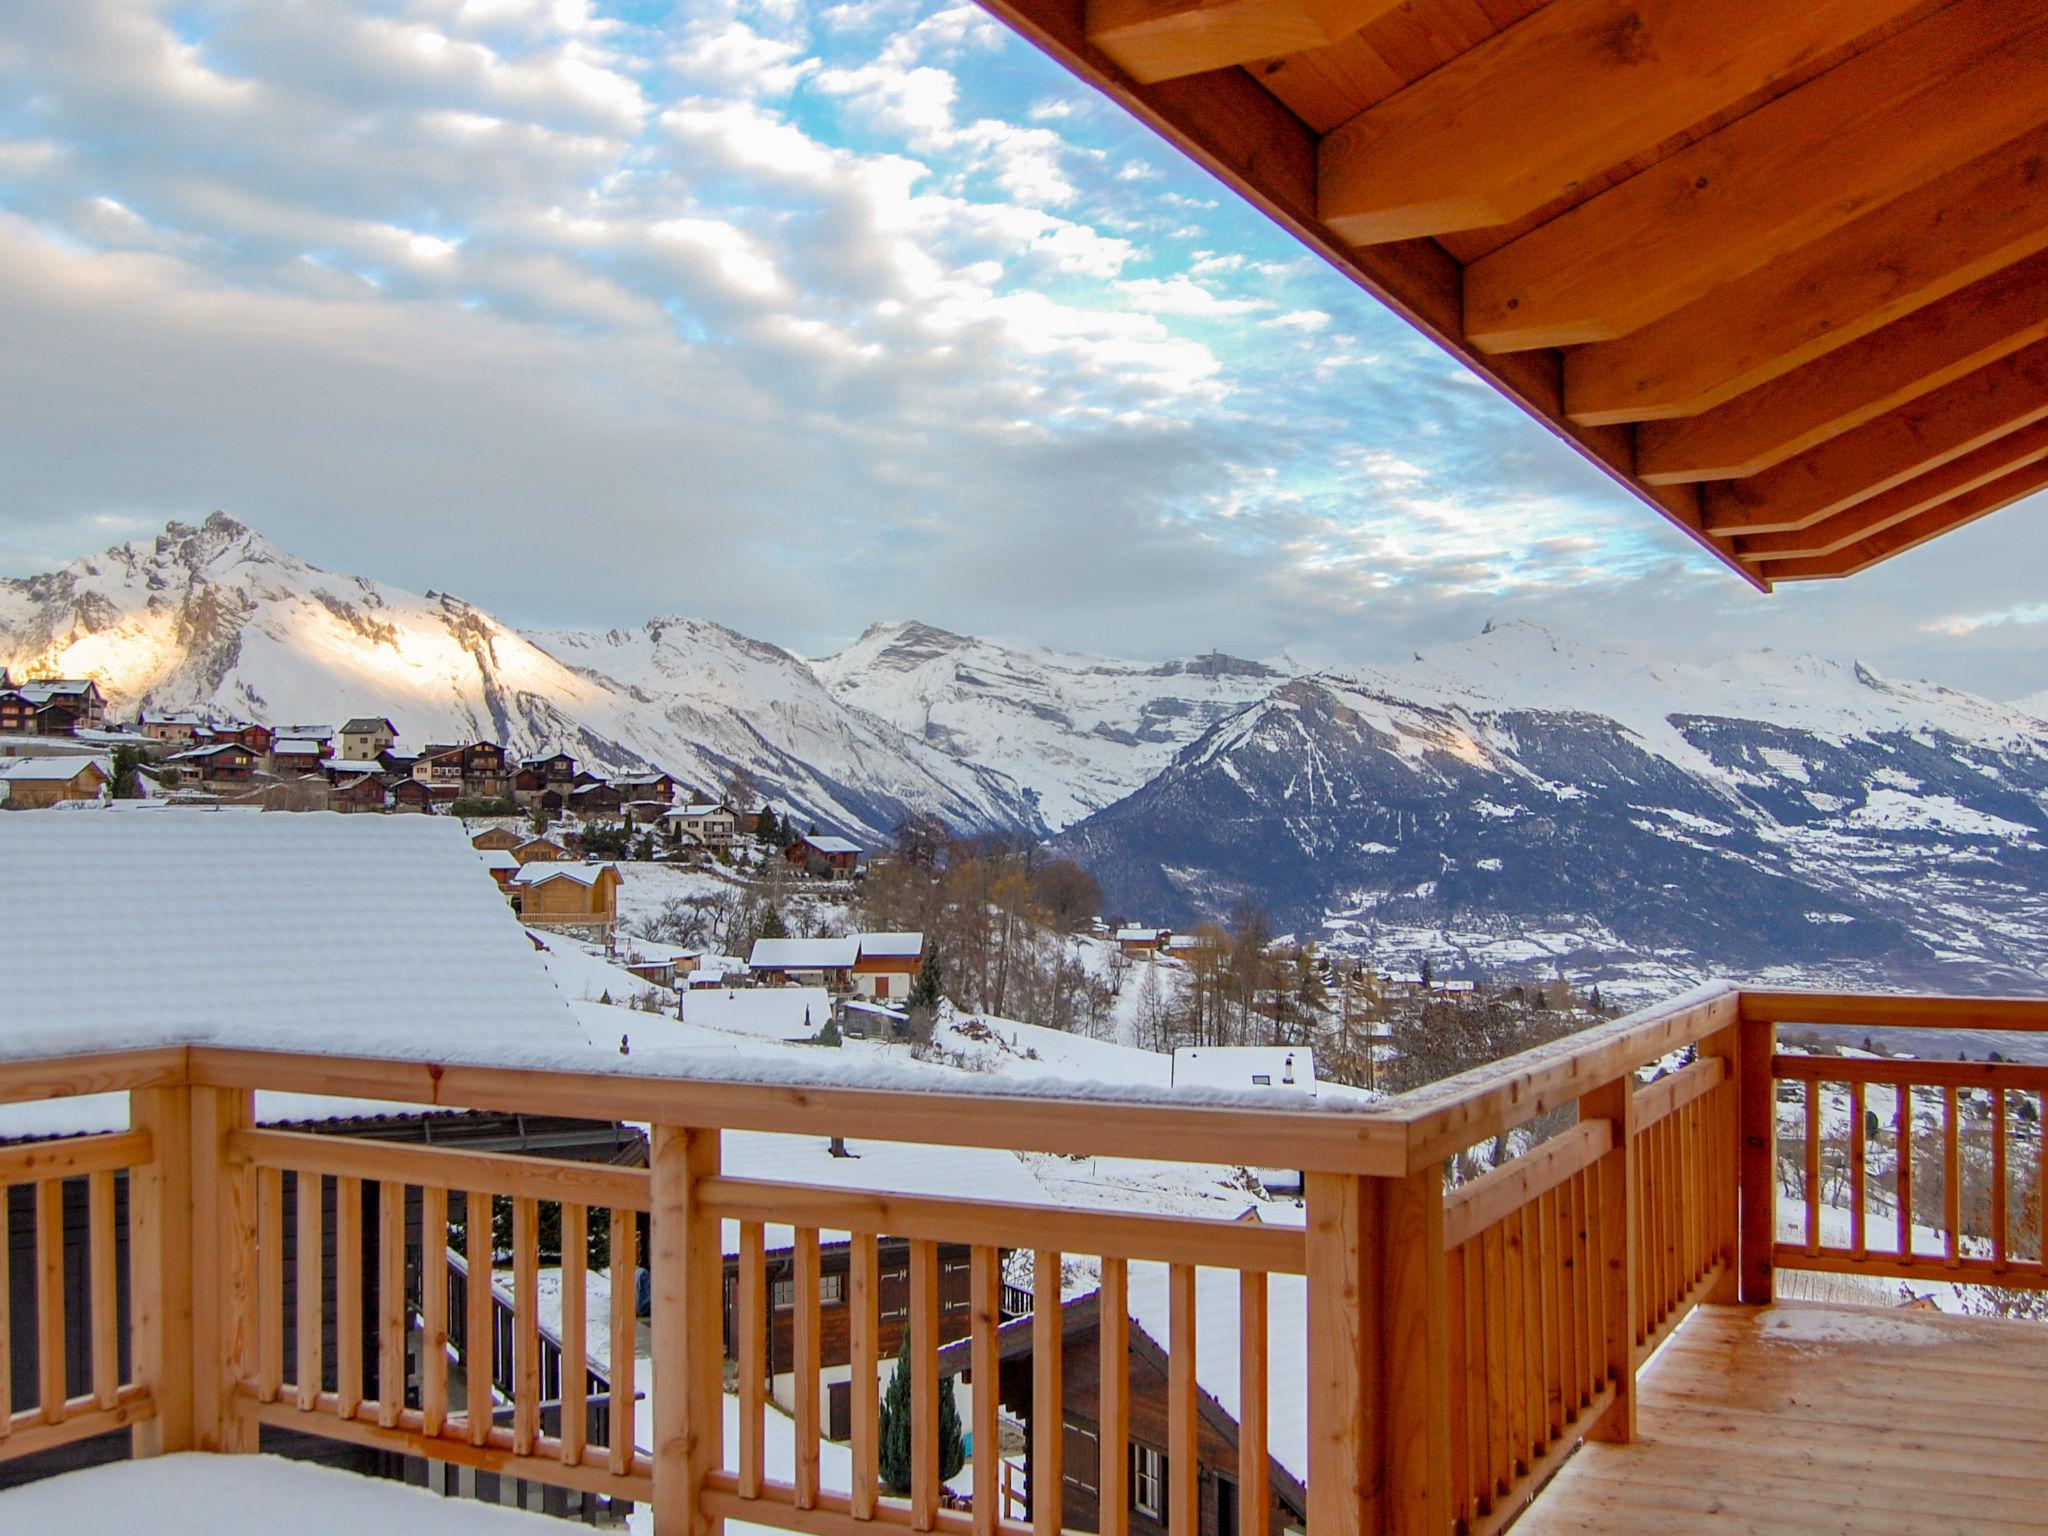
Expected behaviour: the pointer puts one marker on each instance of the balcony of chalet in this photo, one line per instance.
(1556, 1294)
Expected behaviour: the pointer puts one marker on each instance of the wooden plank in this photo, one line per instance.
(1967, 1268)
(864, 1352)
(1607, 79)
(391, 1303)
(1880, 1010)
(525, 1325)
(806, 1359)
(29, 1434)
(752, 1321)
(1113, 1438)
(625, 1332)
(832, 1517)
(70, 1077)
(2001, 1234)
(688, 1273)
(74, 1157)
(533, 1178)
(1915, 531)
(269, 1283)
(1479, 1203)
(1951, 1181)
(1674, 1090)
(1902, 503)
(1125, 1235)
(1184, 1488)
(1859, 1194)
(1617, 1260)
(1343, 1356)
(1958, 419)
(105, 1293)
(985, 1318)
(1812, 1200)
(348, 1296)
(1255, 1498)
(1902, 1128)
(49, 1272)
(1157, 40)
(1915, 1071)
(1465, 1499)
(1551, 1357)
(1855, 380)
(575, 1430)
(924, 1385)
(1757, 1124)
(1515, 1320)
(308, 1303)
(1047, 1399)
(1409, 1295)
(1786, 174)
(160, 1272)
(1499, 1457)
(433, 1310)
(479, 1359)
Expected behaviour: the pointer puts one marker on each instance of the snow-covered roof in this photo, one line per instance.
(299, 746)
(213, 750)
(697, 812)
(48, 769)
(831, 845)
(54, 688)
(497, 858)
(427, 953)
(543, 870)
(1245, 1066)
(766, 1013)
(352, 765)
(1137, 935)
(804, 954)
(363, 724)
(891, 946)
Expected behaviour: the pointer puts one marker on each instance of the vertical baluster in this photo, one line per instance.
(1183, 1497)
(307, 1368)
(1951, 1178)
(1535, 1412)
(1254, 1496)
(1499, 1455)
(525, 1325)
(1478, 1482)
(752, 1315)
(1551, 1271)
(391, 1329)
(985, 1318)
(479, 1359)
(1902, 1121)
(1113, 1443)
(433, 1310)
(1813, 1166)
(1514, 1338)
(1461, 1384)
(1587, 1314)
(625, 1336)
(1568, 1279)
(1688, 1195)
(269, 1283)
(1998, 1176)
(50, 1382)
(348, 1296)
(1046, 1401)
(864, 1293)
(106, 1341)
(1857, 1200)
(804, 1365)
(924, 1384)
(575, 1332)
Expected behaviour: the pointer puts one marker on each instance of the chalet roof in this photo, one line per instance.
(829, 844)
(213, 749)
(44, 690)
(47, 770)
(698, 811)
(1137, 935)
(804, 954)
(497, 858)
(181, 717)
(299, 746)
(891, 946)
(542, 871)
(639, 780)
(363, 724)
(1778, 276)
(352, 765)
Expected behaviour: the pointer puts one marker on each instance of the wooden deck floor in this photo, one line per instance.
(1810, 1418)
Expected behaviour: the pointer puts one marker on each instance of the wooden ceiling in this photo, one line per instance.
(1779, 267)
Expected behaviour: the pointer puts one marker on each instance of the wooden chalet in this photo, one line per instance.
(35, 783)
(596, 798)
(51, 707)
(174, 729)
(707, 824)
(886, 965)
(364, 739)
(541, 850)
(220, 762)
(359, 793)
(824, 857)
(292, 756)
(658, 787)
(580, 899)
(501, 838)
(257, 738)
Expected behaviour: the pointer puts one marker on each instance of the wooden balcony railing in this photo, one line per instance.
(1462, 1336)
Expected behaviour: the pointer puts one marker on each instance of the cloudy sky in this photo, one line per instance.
(794, 317)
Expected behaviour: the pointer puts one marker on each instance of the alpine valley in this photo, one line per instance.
(1519, 803)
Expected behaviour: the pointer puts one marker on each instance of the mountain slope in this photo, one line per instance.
(1527, 802)
(1077, 732)
(218, 618)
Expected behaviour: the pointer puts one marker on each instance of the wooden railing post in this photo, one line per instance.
(160, 1269)
(1759, 1111)
(1726, 1166)
(1379, 1355)
(1615, 1255)
(687, 1270)
(222, 1270)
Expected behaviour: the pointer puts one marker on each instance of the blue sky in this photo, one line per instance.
(794, 317)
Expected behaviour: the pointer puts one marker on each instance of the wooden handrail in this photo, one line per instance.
(1881, 1010)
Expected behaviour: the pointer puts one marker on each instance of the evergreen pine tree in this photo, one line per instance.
(924, 992)
(767, 829)
(1427, 975)
(772, 925)
(893, 1462)
(952, 1446)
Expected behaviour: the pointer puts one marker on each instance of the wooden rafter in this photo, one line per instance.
(1896, 540)
(1153, 40)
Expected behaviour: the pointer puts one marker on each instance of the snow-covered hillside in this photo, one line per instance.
(218, 618)
(1077, 731)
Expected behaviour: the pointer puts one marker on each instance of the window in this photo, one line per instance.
(1148, 1481)
(831, 1291)
(1226, 1507)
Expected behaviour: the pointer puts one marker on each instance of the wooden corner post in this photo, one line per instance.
(223, 1268)
(1615, 1254)
(160, 1269)
(1759, 1160)
(1725, 1160)
(1379, 1356)
(687, 1269)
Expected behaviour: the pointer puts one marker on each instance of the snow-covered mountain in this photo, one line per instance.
(2035, 704)
(1522, 800)
(218, 618)
(1077, 731)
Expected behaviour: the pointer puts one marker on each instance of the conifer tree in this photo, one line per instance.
(894, 1455)
(772, 925)
(924, 992)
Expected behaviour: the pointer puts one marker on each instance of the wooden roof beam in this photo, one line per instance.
(1797, 168)
(1912, 252)
(1154, 40)
(1604, 79)
(1955, 420)
(1897, 540)
(1842, 389)
(1956, 478)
